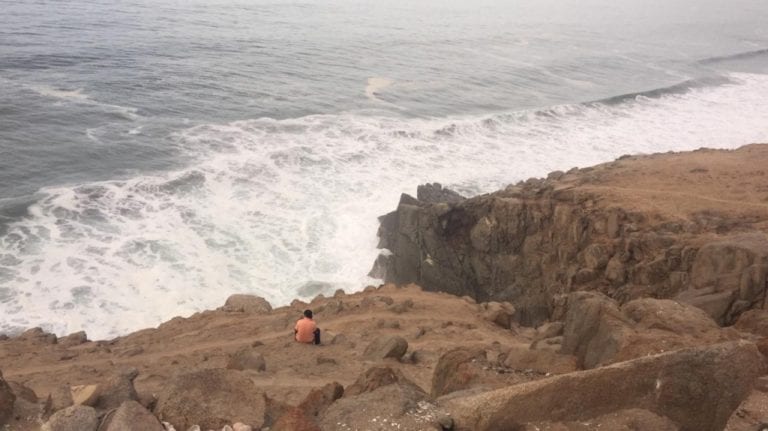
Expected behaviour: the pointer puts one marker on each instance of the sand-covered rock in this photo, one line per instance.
(87, 395)
(386, 347)
(247, 359)
(211, 398)
(697, 388)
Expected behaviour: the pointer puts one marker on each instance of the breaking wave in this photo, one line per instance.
(281, 208)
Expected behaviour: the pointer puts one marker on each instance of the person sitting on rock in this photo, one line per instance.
(306, 330)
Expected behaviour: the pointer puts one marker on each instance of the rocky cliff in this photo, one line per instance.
(580, 254)
(687, 226)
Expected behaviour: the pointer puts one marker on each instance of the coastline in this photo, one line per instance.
(707, 194)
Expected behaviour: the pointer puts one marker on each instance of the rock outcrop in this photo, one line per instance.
(614, 228)
(696, 388)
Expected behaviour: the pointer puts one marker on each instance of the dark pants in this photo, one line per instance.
(317, 336)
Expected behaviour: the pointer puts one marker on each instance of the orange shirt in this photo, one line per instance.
(305, 330)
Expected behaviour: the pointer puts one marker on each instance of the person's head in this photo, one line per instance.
(308, 314)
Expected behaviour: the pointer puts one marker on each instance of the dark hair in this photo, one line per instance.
(308, 313)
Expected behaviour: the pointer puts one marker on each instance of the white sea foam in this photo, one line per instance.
(375, 86)
(57, 93)
(78, 96)
(271, 206)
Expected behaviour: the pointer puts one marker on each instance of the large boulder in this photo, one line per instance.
(7, 399)
(241, 303)
(116, 390)
(211, 398)
(247, 359)
(595, 329)
(74, 339)
(463, 368)
(386, 347)
(598, 332)
(131, 416)
(697, 388)
(501, 314)
(73, 418)
(380, 398)
(303, 417)
(728, 276)
(60, 397)
(320, 398)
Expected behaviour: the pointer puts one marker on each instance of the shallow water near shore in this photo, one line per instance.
(156, 157)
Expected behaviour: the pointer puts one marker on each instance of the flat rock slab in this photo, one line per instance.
(696, 388)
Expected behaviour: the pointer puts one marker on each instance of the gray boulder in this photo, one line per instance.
(73, 418)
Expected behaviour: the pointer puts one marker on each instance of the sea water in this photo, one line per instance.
(157, 156)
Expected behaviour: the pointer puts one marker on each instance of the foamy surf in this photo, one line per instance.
(78, 96)
(374, 86)
(272, 207)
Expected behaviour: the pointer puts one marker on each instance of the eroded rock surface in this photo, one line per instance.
(618, 228)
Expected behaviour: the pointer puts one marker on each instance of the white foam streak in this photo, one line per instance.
(77, 96)
(274, 205)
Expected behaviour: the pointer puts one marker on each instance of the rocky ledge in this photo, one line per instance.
(399, 358)
(616, 320)
(686, 226)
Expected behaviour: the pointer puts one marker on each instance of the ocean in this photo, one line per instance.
(157, 156)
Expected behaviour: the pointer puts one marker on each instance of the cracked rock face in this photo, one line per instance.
(593, 229)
